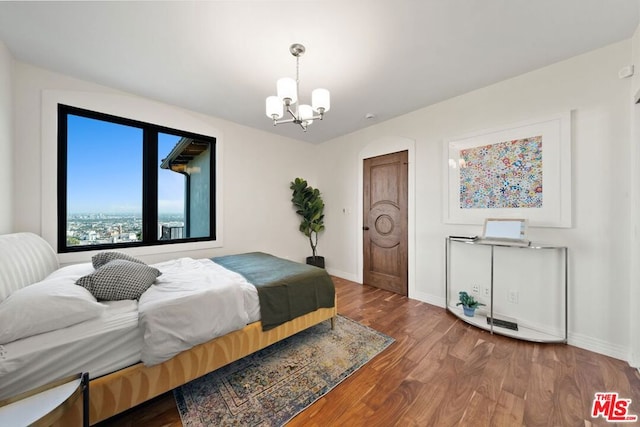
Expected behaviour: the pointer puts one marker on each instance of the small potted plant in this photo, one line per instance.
(468, 303)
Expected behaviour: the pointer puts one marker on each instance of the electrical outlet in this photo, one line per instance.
(513, 296)
(486, 292)
(475, 289)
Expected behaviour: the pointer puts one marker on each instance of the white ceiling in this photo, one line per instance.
(375, 56)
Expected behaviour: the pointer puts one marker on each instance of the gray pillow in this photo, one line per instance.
(119, 279)
(101, 258)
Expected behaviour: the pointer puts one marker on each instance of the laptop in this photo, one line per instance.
(505, 231)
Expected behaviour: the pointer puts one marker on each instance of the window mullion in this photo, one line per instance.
(150, 186)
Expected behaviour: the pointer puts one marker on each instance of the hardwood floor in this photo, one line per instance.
(441, 372)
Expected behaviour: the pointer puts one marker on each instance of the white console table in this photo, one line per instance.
(491, 316)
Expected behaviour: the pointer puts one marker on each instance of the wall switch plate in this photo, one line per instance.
(475, 289)
(486, 292)
(513, 297)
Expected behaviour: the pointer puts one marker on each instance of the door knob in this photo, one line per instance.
(365, 228)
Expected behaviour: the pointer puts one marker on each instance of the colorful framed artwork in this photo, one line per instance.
(522, 170)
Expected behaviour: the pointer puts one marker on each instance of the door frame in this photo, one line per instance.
(380, 147)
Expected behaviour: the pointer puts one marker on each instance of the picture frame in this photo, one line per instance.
(520, 170)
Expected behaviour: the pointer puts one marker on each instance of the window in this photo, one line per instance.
(124, 183)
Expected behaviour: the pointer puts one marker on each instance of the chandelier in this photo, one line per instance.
(287, 99)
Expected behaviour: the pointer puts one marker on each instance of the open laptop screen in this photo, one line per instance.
(500, 228)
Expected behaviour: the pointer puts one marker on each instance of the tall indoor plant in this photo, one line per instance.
(310, 206)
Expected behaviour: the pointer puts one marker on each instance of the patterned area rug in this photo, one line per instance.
(270, 387)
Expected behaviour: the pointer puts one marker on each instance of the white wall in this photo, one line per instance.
(599, 289)
(634, 160)
(257, 168)
(6, 141)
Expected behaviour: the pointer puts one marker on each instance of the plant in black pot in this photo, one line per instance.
(310, 207)
(468, 303)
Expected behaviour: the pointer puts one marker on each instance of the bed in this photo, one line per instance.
(119, 378)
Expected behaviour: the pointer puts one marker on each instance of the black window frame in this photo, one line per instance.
(149, 180)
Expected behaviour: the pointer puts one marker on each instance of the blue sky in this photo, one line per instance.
(104, 169)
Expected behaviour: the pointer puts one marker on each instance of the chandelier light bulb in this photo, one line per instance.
(287, 90)
(321, 100)
(274, 107)
(306, 113)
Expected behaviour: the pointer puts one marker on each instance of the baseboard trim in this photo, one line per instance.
(429, 299)
(342, 275)
(599, 346)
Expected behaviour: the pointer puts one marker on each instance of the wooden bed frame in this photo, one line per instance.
(121, 390)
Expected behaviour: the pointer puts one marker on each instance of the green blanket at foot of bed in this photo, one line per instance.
(286, 289)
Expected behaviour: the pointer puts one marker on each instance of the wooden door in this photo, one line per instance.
(385, 222)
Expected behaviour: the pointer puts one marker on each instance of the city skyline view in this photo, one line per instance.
(104, 228)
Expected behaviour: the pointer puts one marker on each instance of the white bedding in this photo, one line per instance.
(192, 302)
(98, 346)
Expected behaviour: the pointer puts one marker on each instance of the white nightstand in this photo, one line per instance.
(46, 404)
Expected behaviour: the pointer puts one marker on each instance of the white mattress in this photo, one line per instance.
(99, 346)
